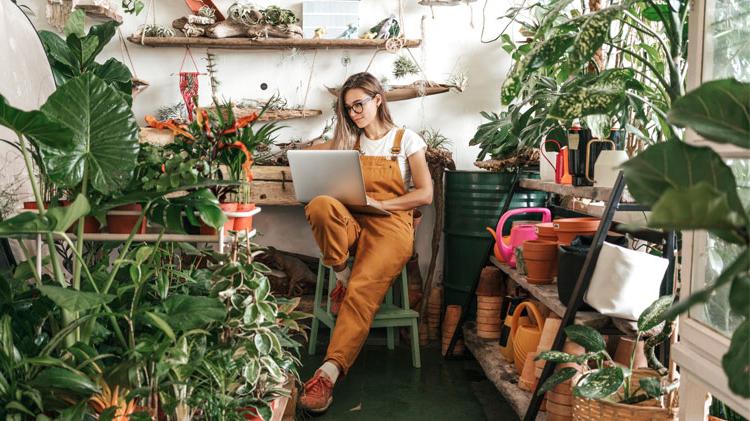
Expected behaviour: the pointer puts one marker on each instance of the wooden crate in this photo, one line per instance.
(273, 186)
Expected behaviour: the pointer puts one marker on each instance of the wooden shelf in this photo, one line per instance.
(100, 12)
(547, 295)
(273, 186)
(267, 43)
(404, 92)
(587, 192)
(500, 372)
(151, 238)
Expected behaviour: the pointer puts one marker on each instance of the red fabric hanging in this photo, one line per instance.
(189, 84)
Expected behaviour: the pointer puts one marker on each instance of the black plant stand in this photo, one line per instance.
(667, 239)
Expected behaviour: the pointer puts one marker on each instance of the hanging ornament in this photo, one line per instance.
(189, 84)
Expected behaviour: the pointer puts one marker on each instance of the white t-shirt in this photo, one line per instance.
(411, 143)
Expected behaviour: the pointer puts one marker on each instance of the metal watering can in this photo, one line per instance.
(518, 234)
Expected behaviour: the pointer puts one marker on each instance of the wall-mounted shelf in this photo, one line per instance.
(547, 295)
(404, 92)
(267, 43)
(500, 372)
(100, 12)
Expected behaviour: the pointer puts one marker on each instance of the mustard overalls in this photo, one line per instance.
(383, 246)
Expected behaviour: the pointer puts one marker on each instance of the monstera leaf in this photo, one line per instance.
(717, 110)
(105, 135)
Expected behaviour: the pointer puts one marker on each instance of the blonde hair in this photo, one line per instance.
(346, 133)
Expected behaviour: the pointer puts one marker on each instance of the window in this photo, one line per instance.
(719, 48)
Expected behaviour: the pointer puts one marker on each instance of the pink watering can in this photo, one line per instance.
(518, 234)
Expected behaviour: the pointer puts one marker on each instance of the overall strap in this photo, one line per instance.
(396, 148)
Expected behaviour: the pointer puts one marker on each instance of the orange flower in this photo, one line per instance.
(248, 157)
(241, 123)
(109, 398)
(168, 124)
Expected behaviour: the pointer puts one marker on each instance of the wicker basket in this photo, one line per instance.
(653, 410)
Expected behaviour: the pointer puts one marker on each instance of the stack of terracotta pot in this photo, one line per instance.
(560, 398)
(540, 258)
(452, 314)
(568, 229)
(489, 303)
(434, 304)
(545, 231)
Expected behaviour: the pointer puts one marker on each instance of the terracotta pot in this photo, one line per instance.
(624, 350)
(244, 222)
(526, 381)
(541, 261)
(124, 224)
(546, 231)
(226, 207)
(569, 228)
(90, 226)
(490, 282)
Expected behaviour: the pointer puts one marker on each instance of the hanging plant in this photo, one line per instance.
(404, 66)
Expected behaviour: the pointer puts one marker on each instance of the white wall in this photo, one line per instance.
(450, 43)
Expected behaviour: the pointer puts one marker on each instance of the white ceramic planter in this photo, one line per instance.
(607, 166)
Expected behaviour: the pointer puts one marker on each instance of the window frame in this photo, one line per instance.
(700, 348)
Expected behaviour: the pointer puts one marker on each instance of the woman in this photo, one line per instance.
(391, 159)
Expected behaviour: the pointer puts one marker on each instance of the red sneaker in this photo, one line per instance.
(337, 297)
(317, 394)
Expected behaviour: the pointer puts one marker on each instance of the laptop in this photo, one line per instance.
(335, 173)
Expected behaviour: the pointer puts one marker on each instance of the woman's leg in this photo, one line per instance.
(382, 252)
(334, 228)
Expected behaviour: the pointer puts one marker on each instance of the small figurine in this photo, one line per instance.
(351, 29)
(368, 35)
(387, 28)
(319, 32)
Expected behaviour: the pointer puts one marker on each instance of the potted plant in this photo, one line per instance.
(604, 390)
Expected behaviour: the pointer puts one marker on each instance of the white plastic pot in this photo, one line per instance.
(625, 281)
(607, 166)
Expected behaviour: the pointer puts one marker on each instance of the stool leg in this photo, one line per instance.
(390, 334)
(316, 308)
(415, 358)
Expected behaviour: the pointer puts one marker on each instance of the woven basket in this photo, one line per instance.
(598, 410)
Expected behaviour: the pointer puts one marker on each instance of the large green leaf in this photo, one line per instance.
(587, 101)
(57, 220)
(560, 376)
(736, 361)
(652, 316)
(739, 295)
(68, 381)
(587, 337)
(75, 24)
(600, 383)
(592, 35)
(73, 300)
(35, 125)
(679, 166)
(739, 267)
(698, 207)
(106, 135)
(58, 52)
(718, 110)
(185, 312)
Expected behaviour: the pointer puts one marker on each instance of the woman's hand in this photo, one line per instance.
(375, 203)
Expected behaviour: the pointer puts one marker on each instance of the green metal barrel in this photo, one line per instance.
(473, 201)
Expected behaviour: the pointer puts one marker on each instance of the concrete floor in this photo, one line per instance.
(383, 386)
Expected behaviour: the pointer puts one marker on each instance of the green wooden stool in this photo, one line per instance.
(390, 316)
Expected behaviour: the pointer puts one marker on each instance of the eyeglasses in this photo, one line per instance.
(358, 106)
